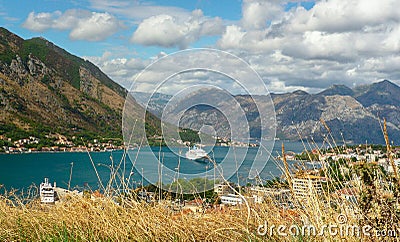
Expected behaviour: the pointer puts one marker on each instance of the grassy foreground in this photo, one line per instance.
(82, 219)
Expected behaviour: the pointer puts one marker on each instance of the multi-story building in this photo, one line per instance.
(223, 188)
(308, 185)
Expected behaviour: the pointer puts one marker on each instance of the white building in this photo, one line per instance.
(307, 186)
(231, 199)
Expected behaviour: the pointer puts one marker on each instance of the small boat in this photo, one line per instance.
(196, 153)
(47, 191)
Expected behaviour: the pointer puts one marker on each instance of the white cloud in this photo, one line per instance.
(256, 13)
(162, 30)
(41, 21)
(98, 27)
(232, 37)
(84, 25)
(121, 69)
(169, 31)
(344, 15)
(319, 45)
(69, 19)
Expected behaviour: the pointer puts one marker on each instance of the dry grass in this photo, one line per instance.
(81, 219)
(101, 219)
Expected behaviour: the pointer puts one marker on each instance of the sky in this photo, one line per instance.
(293, 45)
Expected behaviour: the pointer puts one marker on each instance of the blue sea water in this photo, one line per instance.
(22, 170)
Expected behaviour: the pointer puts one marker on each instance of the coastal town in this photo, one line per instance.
(57, 143)
(62, 143)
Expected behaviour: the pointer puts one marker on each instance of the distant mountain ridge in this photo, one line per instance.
(43, 89)
(353, 115)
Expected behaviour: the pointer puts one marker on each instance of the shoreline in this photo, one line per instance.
(98, 151)
(75, 151)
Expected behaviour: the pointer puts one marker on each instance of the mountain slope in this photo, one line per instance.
(45, 89)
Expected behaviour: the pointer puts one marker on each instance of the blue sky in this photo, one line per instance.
(294, 45)
(14, 13)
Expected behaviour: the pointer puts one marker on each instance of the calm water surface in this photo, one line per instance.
(22, 170)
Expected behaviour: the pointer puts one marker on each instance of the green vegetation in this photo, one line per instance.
(186, 189)
(12, 131)
(189, 135)
(66, 64)
(4, 143)
(46, 139)
(276, 183)
(190, 186)
(7, 55)
(35, 46)
(338, 171)
(46, 80)
(48, 54)
(306, 155)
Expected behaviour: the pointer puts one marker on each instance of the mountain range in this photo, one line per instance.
(352, 115)
(44, 89)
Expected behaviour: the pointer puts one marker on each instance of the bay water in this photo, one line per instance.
(19, 171)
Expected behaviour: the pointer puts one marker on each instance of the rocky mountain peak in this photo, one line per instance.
(380, 93)
(300, 93)
(337, 90)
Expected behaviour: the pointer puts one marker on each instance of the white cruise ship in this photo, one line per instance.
(196, 154)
